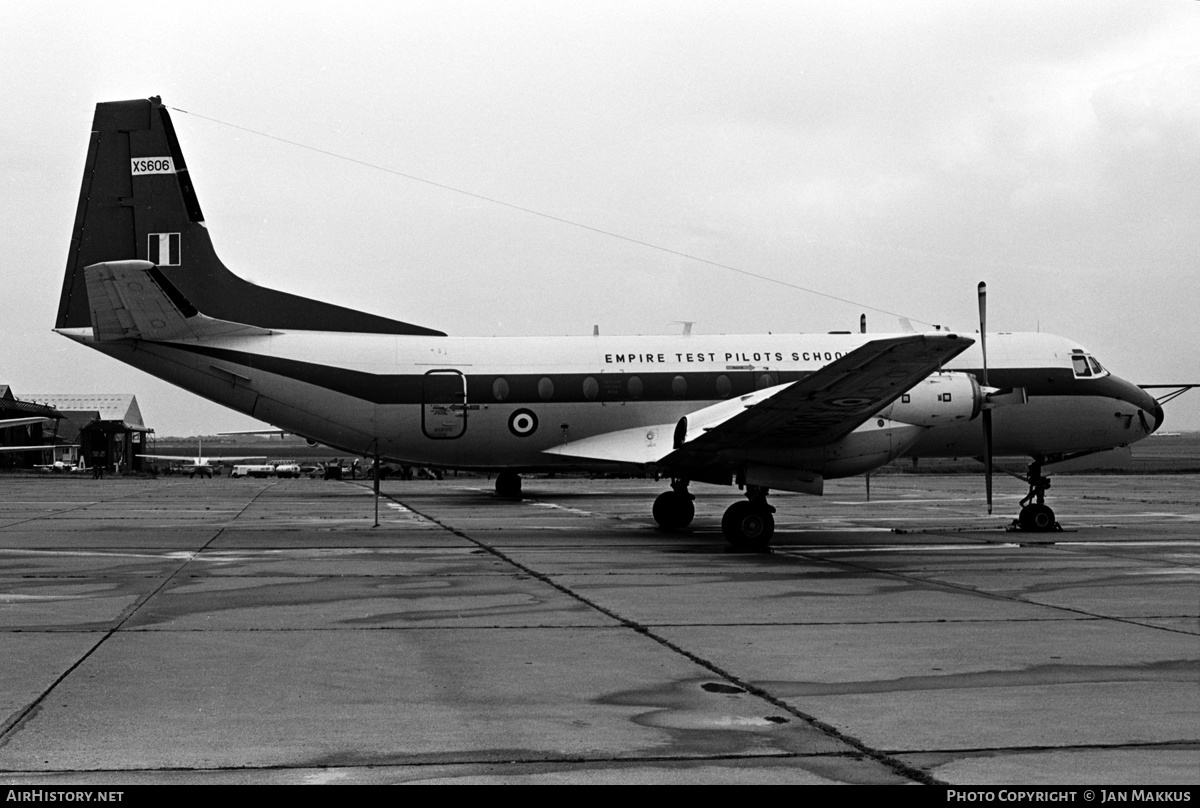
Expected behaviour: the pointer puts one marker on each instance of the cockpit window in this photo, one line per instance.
(1086, 367)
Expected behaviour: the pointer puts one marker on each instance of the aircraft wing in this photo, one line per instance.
(200, 461)
(830, 403)
(134, 300)
(7, 422)
(822, 407)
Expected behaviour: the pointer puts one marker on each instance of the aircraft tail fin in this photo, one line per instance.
(137, 204)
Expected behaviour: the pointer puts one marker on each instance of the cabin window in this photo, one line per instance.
(591, 388)
(545, 388)
(724, 386)
(500, 389)
(635, 387)
(764, 381)
(679, 387)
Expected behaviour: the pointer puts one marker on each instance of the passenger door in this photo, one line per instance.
(444, 404)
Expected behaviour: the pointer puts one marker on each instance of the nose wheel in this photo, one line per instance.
(1036, 516)
(749, 525)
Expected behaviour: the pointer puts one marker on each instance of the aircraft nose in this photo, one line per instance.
(1150, 406)
(1147, 405)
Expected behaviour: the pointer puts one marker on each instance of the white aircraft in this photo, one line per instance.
(198, 463)
(62, 467)
(784, 411)
(5, 423)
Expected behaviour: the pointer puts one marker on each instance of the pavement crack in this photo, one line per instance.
(12, 726)
(888, 761)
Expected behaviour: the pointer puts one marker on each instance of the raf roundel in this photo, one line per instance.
(522, 423)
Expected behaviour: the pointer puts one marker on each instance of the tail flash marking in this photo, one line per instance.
(163, 249)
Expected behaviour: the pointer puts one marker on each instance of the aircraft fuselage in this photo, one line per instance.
(500, 403)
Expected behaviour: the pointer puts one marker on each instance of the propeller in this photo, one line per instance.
(987, 413)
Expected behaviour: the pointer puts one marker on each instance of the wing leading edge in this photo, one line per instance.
(203, 461)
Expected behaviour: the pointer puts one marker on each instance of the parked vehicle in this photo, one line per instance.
(253, 470)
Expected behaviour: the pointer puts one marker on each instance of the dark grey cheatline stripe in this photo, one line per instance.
(522, 388)
(406, 388)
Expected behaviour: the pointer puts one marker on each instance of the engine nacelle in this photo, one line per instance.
(941, 399)
(874, 443)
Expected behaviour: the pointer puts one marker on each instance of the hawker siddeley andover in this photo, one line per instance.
(776, 411)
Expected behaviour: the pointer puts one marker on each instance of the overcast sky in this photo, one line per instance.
(889, 154)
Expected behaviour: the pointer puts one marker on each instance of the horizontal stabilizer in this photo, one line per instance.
(134, 300)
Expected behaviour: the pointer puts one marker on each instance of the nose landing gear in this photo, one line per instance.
(1036, 516)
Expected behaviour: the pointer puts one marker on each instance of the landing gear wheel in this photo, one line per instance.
(748, 526)
(508, 485)
(1036, 516)
(674, 510)
(1037, 519)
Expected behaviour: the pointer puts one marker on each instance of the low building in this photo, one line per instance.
(108, 427)
(28, 435)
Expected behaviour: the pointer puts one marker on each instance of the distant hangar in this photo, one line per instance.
(104, 429)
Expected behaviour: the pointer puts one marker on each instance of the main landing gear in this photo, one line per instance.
(749, 525)
(746, 525)
(508, 485)
(674, 509)
(1036, 516)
